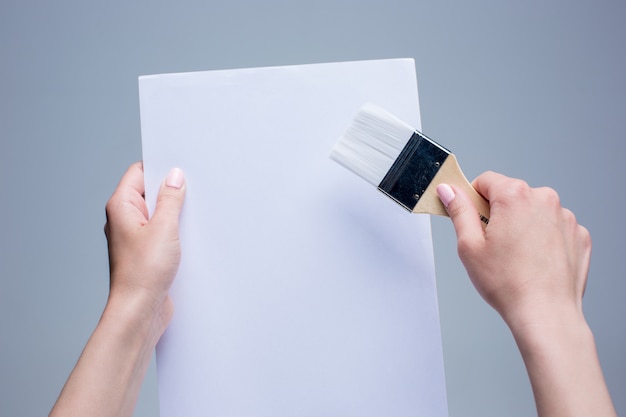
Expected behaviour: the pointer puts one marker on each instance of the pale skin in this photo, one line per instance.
(530, 263)
(144, 256)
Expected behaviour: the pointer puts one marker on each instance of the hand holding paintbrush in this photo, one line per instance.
(530, 263)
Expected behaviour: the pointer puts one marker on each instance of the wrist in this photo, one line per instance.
(550, 330)
(552, 334)
(531, 317)
(138, 316)
(563, 366)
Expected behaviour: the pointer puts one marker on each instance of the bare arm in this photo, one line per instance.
(144, 256)
(530, 264)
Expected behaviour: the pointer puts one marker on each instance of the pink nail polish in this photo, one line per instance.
(175, 178)
(446, 194)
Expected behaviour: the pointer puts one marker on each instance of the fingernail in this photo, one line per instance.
(446, 194)
(175, 178)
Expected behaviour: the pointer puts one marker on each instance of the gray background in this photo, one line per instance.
(532, 89)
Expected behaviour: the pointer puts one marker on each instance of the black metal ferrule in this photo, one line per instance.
(413, 170)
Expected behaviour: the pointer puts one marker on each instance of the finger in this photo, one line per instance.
(462, 212)
(129, 190)
(583, 238)
(132, 181)
(508, 197)
(170, 198)
(487, 184)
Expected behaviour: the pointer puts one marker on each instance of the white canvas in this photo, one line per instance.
(302, 291)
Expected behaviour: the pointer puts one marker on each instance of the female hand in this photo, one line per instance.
(530, 263)
(532, 258)
(144, 255)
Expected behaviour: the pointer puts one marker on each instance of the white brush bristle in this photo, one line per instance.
(371, 144)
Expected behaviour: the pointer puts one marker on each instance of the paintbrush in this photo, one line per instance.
(402, 162)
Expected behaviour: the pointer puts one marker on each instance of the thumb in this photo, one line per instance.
(462, 212)
(170, 198)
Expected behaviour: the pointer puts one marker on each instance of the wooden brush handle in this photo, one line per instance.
(450, 173)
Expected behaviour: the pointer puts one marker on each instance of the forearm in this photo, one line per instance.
(109, 373)
(531, 264)
(563, 367)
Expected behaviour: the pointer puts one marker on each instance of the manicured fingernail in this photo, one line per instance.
(446, 194)
(175, 178)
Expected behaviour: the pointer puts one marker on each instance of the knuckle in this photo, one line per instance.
(168, 197)
(454, 209)
(550, 196)
(468, 248)
(489, 175)
(513, 191)
(518, 189)
(580, 232)
(569, 217)
(110, 213)
(584, 237)
(464, 245)
(108, 208)
(113, 204)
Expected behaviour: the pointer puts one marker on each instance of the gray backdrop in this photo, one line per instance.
(532, 89)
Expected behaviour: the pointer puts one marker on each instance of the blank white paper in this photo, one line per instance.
(303, 291)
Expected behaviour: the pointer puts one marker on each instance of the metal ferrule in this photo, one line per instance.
(413, 170)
